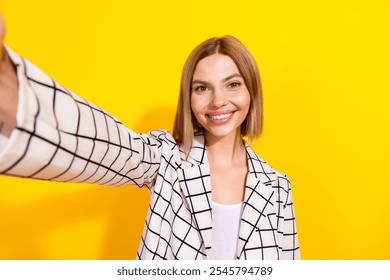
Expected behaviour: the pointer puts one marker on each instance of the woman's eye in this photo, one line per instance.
(200, 88)
(234, 84)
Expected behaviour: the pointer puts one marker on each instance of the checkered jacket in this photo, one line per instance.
(61, 137)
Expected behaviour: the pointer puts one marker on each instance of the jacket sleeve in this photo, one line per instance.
(287, 228)
(62, 137)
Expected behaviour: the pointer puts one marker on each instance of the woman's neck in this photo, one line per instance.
(228, 168)
(228, 150)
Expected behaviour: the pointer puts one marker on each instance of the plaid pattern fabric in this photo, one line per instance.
(62, 137)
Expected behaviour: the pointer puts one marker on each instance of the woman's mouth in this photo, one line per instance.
(220, 118)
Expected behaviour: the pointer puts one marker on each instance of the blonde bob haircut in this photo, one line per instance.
(185, 125)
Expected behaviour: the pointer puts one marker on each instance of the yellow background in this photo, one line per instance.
(324, 67)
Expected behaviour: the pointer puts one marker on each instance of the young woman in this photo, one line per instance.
(212, 197)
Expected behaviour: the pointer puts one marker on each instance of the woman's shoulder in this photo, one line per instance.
(161, 138)
(263, 169)
(160, 134)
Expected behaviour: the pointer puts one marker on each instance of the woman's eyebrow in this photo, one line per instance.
(198, 82)
(235, 75)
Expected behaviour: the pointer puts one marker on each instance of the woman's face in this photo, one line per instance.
(219, 98)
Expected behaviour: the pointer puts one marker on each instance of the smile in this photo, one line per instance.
(221, 117)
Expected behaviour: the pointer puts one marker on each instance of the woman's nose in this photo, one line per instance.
(218, 98)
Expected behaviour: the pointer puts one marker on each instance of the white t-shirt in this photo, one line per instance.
(226, 222)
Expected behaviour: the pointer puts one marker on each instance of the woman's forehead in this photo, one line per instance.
(216, 66)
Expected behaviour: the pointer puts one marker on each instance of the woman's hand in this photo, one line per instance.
(8, 83)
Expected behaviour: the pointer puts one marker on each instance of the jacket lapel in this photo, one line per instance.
(259, 198)
(194, 179)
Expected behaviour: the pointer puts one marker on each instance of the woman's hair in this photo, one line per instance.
(185, 125)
